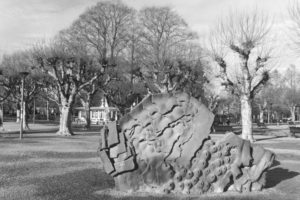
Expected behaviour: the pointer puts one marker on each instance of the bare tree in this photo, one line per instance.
(294, 12)
(289, 91)
(11, 67)
(104, 28)
(244, 36)
(6, 82)
(103, 31)
(132, 50)
(262, 106)
(71, 71)
(162, 31)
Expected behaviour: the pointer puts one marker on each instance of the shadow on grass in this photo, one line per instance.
(82, 128)
(47, 155)
(13, 158)
(270, 138)
(84, 184)
(278, 174)
(27, 132)
(52, 130)
(14, 136)
(222, 196)
(107, 197)
(76, 185)
(15, 140)
(66, 155)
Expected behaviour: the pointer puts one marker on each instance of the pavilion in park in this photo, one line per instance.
(100, 114)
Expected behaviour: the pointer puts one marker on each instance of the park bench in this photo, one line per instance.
(261, 125)
(294, 130)
(216, 128)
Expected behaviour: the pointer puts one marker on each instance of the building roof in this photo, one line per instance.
(98, 108)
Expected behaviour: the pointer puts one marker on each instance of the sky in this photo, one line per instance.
(25, 22)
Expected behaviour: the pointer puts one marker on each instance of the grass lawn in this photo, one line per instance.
(46, 166)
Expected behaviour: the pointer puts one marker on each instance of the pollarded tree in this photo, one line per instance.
(162, 31)
(69, 70)
(242, 36)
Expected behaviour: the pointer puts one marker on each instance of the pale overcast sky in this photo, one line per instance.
(23, 22)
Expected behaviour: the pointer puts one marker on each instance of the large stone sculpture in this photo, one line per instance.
(163, 145)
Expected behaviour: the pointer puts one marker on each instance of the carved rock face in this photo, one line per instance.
(163, 145)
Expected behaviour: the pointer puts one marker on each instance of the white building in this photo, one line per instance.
(99, 115)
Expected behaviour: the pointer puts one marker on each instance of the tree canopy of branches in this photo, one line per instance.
(114, 50)
(103, 28)
(70, 72)
(289, 90)
(101, 31)
(244, 36)
(12, 66)
(162, 35)
(294, 33)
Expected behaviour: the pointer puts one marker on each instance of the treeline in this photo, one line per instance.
(125, 54)
(113, 49)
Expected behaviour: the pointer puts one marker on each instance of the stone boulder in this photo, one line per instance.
(163, 146)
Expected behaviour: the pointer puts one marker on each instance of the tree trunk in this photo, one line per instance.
(292, 111)
(246, 113)
(18, 116)
(87, 106)
(1, 119)
(33, 118)
(25, 119)
(47, 110)
(88, 115)
(261, 115)
(65, 127)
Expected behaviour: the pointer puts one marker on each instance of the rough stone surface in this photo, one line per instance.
(163, 146)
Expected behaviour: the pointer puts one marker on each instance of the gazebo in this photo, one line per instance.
(99, 115)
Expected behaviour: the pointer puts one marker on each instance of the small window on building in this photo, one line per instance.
(94, 114)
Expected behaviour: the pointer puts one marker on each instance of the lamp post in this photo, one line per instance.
(33, 118)
(23, 76)
(1, 110)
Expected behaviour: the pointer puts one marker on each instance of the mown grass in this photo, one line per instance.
(44, 166)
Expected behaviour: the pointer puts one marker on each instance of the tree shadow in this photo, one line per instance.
(278, 174)
(34, 131)
(270, 138)
(29, 131)
(79, 184)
